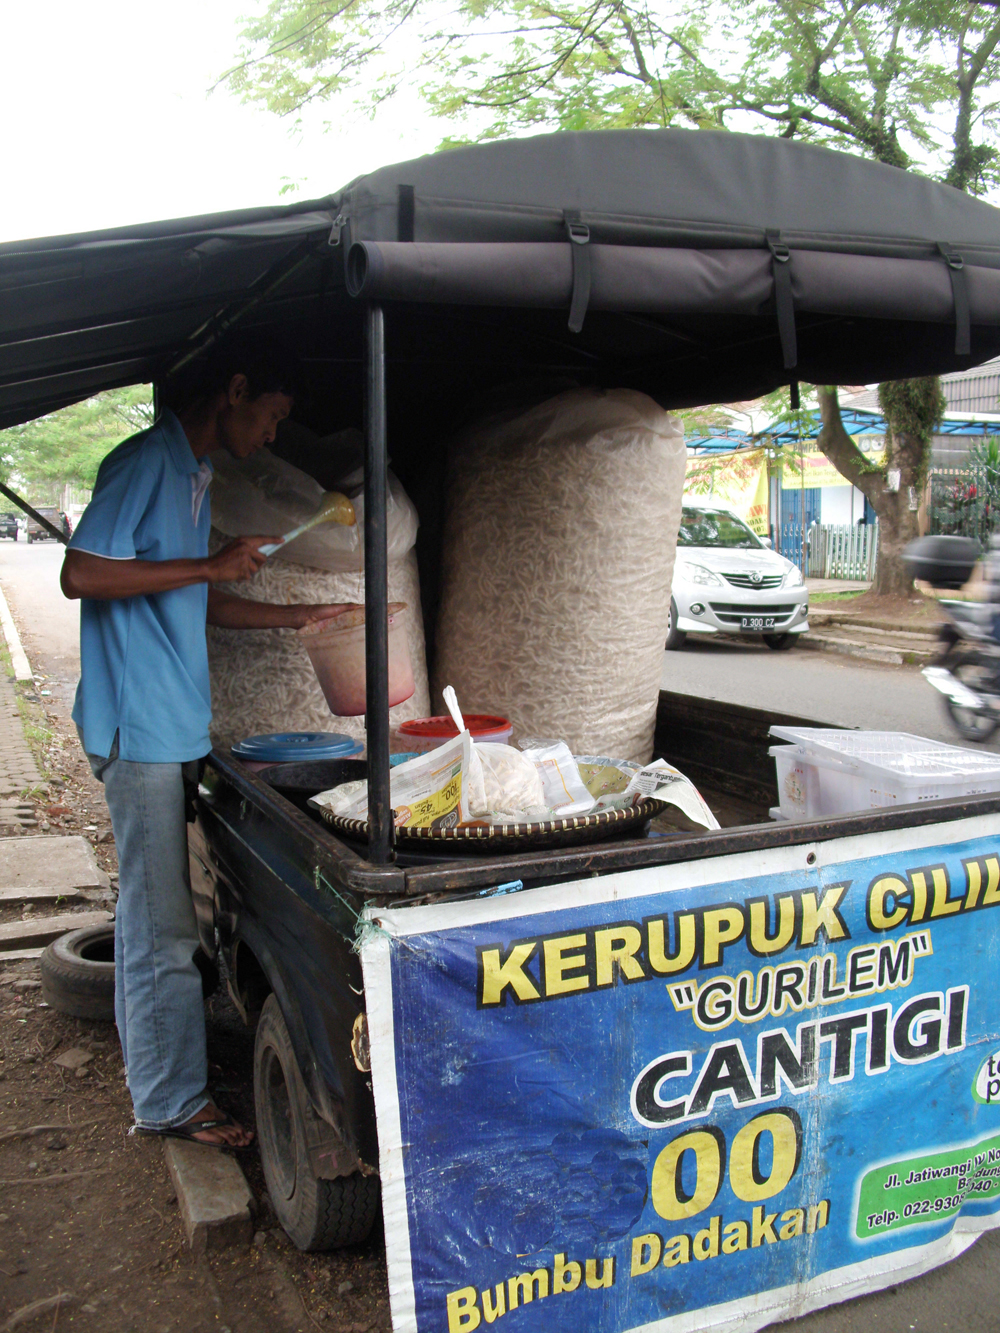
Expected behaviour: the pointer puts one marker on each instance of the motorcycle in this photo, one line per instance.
(967, 671)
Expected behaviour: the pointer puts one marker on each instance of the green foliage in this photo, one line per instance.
(968, 505)
(913, 407)
(66, 447)
(507, 65)
(897, 80)
(913, 410)
(845, 73)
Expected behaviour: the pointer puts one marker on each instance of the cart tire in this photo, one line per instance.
(779, 642)
(315, 1214)
(675, 637)
(78, 974)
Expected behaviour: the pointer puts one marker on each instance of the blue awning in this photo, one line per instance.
(870, 423)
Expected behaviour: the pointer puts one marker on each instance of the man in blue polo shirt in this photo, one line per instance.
(139, 561)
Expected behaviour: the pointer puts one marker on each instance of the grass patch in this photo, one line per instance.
(838, 598)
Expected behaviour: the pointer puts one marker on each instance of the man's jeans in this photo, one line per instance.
(158, 997)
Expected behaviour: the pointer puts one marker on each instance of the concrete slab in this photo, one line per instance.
(63, 862)
(214, 1198)
(37, 933)
(40, 894)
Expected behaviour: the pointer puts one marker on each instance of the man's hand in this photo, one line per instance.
(231, 612)
(305, 613)
(238, 560)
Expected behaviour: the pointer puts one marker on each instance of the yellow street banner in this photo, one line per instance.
(737, 480)
(817, 468)
(757, 515)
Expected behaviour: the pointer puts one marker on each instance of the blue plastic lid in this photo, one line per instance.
(289, 747)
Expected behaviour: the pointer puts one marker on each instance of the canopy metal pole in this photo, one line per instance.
(380, 824)
(33, 513)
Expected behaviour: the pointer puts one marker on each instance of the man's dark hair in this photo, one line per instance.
(269, 365)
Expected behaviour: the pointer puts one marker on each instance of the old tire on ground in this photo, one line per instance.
(315, 1214)
(78, 973)
(780, 641)
(675, 636)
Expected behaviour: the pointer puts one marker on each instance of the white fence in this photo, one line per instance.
(847, 551)
(832, 551)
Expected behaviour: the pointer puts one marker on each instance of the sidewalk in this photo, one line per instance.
(18, 770)
(907, 634)
(816, 586)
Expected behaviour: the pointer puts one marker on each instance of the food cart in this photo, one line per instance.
(654, 1082)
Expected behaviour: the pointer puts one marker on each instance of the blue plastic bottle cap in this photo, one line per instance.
(289, 747)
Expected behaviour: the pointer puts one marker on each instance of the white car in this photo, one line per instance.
(728, 581)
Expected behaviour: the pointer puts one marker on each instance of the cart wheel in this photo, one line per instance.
(780, 641)
(315, 1214)
(675, 637)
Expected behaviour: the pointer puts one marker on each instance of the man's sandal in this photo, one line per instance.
(190, 1131)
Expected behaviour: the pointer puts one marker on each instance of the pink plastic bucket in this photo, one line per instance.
(336, 649)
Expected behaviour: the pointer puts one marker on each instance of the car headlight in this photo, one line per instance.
(793, 579)
(698, 574)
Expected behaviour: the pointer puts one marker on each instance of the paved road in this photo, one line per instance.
(49, 625)
(824, 686)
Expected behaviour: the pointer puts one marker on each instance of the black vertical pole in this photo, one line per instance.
(376, 592)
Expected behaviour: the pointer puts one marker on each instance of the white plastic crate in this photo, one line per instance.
(826, 772)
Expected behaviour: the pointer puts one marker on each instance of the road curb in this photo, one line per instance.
(18, 657)
(215, 1200)
(851, 648)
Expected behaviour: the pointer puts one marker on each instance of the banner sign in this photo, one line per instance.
(817, 468)
(737, 480)
(757, 1083)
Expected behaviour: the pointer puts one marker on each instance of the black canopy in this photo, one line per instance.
(698, 266)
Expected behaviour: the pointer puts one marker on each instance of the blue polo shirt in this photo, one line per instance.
(144, 660)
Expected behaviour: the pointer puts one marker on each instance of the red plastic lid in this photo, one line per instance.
(434, 728)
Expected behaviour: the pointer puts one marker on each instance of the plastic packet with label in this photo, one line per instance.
(564, 791)
(430, 791)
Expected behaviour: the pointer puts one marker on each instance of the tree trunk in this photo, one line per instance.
(897, 527)
(905, 453)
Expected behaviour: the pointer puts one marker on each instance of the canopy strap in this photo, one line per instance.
(781, 271)
(960, 297)
(406, 213)
(579, 237)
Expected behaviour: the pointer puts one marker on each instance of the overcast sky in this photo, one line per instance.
(107, 120)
